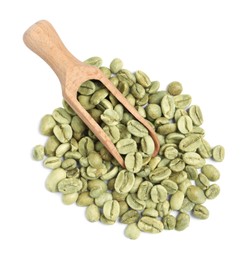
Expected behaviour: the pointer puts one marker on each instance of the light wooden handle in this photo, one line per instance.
(42, 39)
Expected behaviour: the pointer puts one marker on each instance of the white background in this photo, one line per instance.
(203, 44)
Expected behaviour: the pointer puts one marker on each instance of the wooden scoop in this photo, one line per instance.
(42, 39)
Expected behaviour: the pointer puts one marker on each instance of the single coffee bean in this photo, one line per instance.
(47, 125)
(132, 231)
(93, 213)
(135, 203)
(212, 191)
(71, 185)
(111, 210)
(196, 194)
(169, 222)
(196, 115)
(129, 217)
(218, 153)
(150, 225)
(211, 172)
(182, 221)
(158, 193)
(143, 192)
(174, 88)
(124, 181)
(38, 153)
(176, 200)
(167, 106)
(200, 211)
(52, 162)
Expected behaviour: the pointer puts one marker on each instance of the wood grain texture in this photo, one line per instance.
(42, 39)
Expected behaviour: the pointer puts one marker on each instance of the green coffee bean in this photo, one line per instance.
(116, 65)
(200, 212)
(218, 153)
(100, 200)
(169, 222)
(133, 162)
(142, 78)
(63, 132)
(147, 145)
(202, 181)
(38, 153)
(158, 193)
(69, 199)
(84, 199)
(125, 146)
(106, 71)
(54, 178)
(94, 61)
(177, 165)
(196, 115)
(110, 117)
(153, 111)
(71, 185)
(47, 125)
(150, 225)
(193, 159)
(123, 207)
(192, 172)
(134, 202)
(132, 231)
(87, 88)
(212, 191)
(184, 185)
(170, 186)
(129, 217)
(178, 177)
(136, 128)
(187, 205)
(86, 146)
(156, 97)
(196, 194)
(155, 85)
(168, 106)
(205, 149)
(98, 96)
(62, 149)
(185, 124)
(182, 101)
(211, 172)
(69, 164)
(176, 200)
(190, 143)
(138, 91)
(92, 213)
(170, 153)
(51, 146)
(150, 213)
(110, 174)
(52, 162)
(159, 174)
(174, 88)
(167, 129)
(124, 181)
(111, 210)
(182, 221)
(61, 116)
(163, 208)
(144, 190)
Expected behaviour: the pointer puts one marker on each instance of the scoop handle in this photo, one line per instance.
(42, 39)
